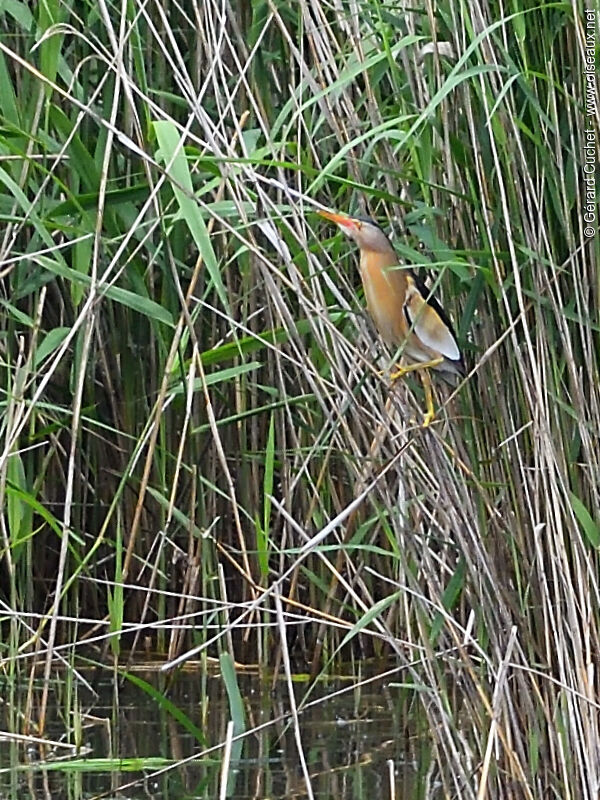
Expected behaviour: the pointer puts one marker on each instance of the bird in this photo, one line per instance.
(404, 311)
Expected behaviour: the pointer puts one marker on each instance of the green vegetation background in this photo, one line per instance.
(189, 382)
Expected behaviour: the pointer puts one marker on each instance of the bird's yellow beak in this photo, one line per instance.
(341, 219)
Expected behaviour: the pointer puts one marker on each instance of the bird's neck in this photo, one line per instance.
(385, 286)
(372, 261)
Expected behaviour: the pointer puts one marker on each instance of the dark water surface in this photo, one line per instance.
(351, 736)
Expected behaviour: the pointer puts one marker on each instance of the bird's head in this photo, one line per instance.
(367, 234)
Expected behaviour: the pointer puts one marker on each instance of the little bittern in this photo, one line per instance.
(403, 310)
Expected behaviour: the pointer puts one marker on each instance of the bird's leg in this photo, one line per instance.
(430, 413)
(402, 371)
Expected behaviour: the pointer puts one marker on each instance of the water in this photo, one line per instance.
(350, 734)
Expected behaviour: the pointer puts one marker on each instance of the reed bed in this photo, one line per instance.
(201, 452)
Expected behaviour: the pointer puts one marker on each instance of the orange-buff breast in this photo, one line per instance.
(385, 289)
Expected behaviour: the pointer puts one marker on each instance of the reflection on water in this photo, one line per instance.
(348, 737)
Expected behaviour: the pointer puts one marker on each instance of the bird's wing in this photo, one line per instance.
(428, 323)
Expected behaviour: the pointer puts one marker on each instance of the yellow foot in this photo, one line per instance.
(417, 366)
(402, 371)
(399, 373)
(428, 419)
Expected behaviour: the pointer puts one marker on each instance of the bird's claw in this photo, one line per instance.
(428, 419)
